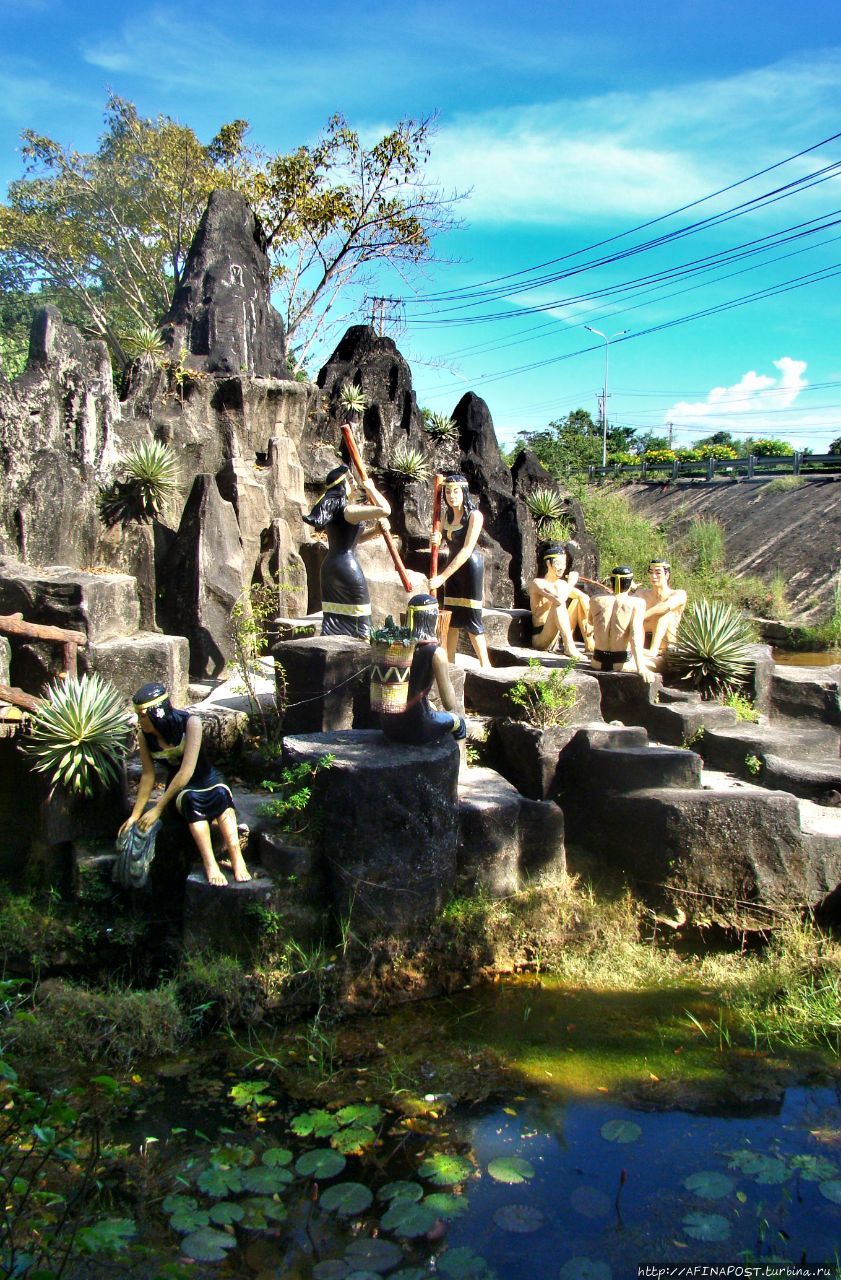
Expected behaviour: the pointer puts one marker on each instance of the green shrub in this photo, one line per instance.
(783, 484)
(545, 505)
(711, 648)
(409, 463)
(440, 426)
(80, 734)
(547, 701)
(744, 708)
(353, 399)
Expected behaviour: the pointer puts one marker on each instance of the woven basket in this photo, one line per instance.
(390, 666)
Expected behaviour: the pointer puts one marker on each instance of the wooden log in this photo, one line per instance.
(13, 625)
(17, 698)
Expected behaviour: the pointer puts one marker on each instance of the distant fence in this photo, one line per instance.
(795, 464)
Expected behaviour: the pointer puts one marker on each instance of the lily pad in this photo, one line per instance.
(276, 1157)
(709, 1184)
(813, 1168)
(260, 1211)
(584, 1269)
(111, 1235)
(408, 1220)
(443, 1205)
(620, 1131)
(363, 1275)
(352, 1141)
(769, 1171)
(219, 1182)
(207, 1245)
(321, 1163)
(331, 1269)
(511, 1169)
(444, 1170)
(184, 1221)
(590, 1202)
(400, 1191)
(464, 1264)
(373, 1254)
(265, 1181)
(173, 1203)
(410, 1273)
(360, 1114)
(318, 1123)
(520, 1218)
(831, 1190)
(346, 1198)
(706, 1226)
(226, 1212)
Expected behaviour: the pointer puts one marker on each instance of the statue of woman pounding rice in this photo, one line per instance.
(346, 604)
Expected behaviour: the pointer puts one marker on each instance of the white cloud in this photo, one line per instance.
(635, 155)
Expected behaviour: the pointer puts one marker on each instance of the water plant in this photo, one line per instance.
(546, 700)
(711, 650)
(409, 463)
(79, 735)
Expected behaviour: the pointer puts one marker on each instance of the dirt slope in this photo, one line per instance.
(796, 532)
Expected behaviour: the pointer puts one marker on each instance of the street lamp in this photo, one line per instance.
(607, 342)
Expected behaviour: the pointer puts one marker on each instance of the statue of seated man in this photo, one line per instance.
(664, 606)
(617, 621)
(420, 723)
(558, 606)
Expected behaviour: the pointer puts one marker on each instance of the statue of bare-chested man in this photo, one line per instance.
(558, 606)
(664, 606)
(617, 621)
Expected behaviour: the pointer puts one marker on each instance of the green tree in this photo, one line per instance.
(717, 438)
(112, 229)
(763, 448)
(835, 447)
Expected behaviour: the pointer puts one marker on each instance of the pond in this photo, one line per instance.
(519, 1131)
(822, 658)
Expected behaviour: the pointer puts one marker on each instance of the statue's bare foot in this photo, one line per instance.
(238, 867)
(215, 876)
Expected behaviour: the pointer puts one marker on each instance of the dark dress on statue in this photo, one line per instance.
(463, 591)
(206, 794)
(345, 602)
(419, 723)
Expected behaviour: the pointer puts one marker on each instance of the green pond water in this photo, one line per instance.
(600, 1133)
(822, 658)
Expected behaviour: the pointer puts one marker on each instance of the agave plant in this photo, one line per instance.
(353, 399)
(440, 426)
(409, 463)
(146, 342)
(711, 650)
(152, 471)
(545, 505)
(79, 734)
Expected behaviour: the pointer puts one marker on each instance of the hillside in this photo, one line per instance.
(796, 532)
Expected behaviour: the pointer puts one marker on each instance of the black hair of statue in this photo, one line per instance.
(456, 477)
(425, 619)
(168, 721)
(332, 502)
(559, 549)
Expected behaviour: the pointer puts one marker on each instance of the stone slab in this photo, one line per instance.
(103, 605)
(325, 683)
(223, 919)
(384, 824)
(810, 693)
(131, 661)
(816, 780)
(486, 691)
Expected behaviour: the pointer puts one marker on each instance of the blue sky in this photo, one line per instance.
(570, 124)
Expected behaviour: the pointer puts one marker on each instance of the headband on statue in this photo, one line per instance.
(146, 703)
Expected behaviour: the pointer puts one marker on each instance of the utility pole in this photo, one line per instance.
(385, 311)
(604, 395)
(670, 433)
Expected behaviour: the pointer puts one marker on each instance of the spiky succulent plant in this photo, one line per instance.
(152, 472)
(711, 649)
(409, 463)
(440, 426)
(353, 399)
(146, 342)
(545, 505)
(79, 734)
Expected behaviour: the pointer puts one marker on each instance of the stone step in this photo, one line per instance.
(505, 840)
(134, 660)
(224, 918)
(287, 472)
(815, 780)
(727, 747)
(624, 769)
(486, 691)
(680, 723)
(807, 693)
(103, 605)
(737, 855)
(538, 761)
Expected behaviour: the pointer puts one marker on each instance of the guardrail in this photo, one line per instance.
(796, 464)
